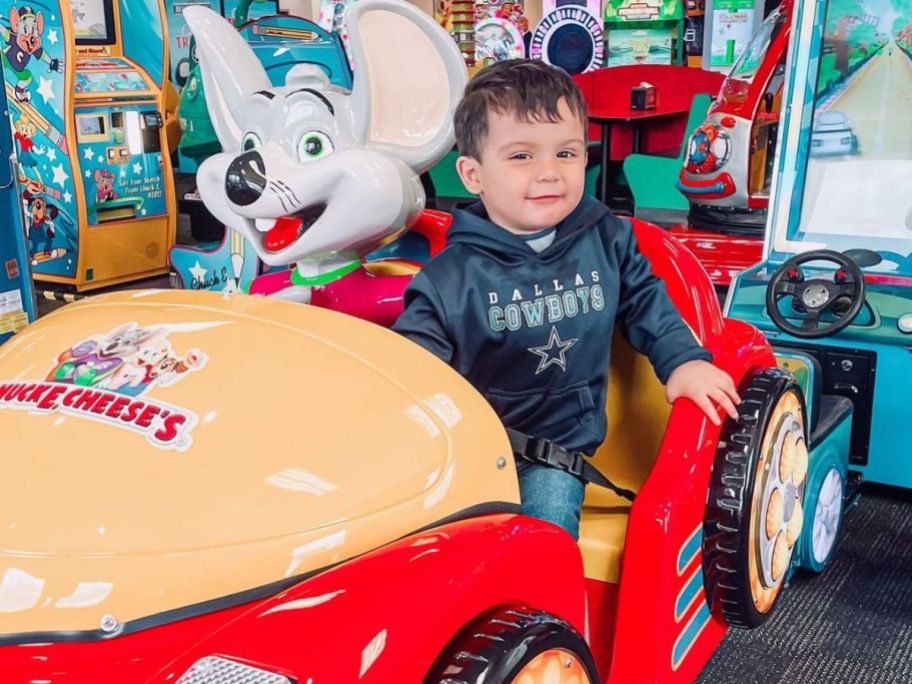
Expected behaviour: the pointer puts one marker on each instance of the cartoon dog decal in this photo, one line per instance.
(41, 228)
(313, 175)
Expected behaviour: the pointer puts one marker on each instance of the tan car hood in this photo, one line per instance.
(297, 438)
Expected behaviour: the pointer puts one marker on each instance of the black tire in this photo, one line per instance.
(495, 648)
(754, 509)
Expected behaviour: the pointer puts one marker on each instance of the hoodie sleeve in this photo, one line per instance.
(647, 316)
(424, 319)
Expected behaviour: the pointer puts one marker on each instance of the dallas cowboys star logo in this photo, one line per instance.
(547, 351)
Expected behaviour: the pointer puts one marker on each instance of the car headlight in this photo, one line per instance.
(708, 150)
(216, 670)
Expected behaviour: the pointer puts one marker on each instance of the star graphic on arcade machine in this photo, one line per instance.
(60, 176)
(46, 89)
(198, 272)
(553, 352)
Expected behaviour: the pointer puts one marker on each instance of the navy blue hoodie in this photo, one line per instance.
(532, 331)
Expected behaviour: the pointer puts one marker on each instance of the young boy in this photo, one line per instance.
(524, 299)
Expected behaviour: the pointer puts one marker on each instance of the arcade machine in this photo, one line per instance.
(694, 23)
(501, 31)
(835, 282)
(728, 166)
(85, 80)
(570, 35)
(17, 299)
(237, 11)
(641, 32)
(729, 26)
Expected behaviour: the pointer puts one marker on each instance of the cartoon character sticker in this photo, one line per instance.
(24, 43)
(41, 229)
(105, 379)
(129, 360)
(24, 135)
(104, 186)
(42, 217)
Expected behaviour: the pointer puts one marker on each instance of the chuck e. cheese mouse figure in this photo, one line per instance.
(316, 177)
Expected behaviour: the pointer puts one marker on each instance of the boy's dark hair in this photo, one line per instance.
(528, 88)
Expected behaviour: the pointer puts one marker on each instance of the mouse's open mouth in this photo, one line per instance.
(287, 229)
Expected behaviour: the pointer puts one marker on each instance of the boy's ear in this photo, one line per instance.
(469, 170)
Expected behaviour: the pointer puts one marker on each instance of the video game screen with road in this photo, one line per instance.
(857, 190)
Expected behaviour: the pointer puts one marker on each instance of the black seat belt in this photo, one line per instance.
(546, 452)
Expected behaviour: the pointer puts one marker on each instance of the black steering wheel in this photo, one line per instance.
(811, 298)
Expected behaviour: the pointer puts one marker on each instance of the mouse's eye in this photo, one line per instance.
(314, 145)
(251, 142)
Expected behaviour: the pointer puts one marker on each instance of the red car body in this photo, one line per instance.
(386, 615)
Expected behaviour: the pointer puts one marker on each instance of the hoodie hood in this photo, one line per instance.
(473, 227)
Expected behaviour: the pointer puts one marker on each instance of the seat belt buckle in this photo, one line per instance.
(576, 464)
(539, 450)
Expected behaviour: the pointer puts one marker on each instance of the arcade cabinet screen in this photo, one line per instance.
(93, 21)
(91, 126)
(858, 179)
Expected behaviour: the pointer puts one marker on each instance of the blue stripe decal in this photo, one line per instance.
(689, 593)
(690, 549)
(689, 636)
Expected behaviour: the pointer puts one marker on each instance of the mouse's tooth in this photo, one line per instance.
(264, 225)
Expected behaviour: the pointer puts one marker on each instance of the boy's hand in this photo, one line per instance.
(703, 384)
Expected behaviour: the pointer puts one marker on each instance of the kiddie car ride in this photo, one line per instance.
(836, 281)
(175, 542)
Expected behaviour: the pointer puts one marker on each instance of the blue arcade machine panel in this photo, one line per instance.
(281, 42)
(17, 299)
(180, 38)
(35, 87)
(237, 10)
(121, 157)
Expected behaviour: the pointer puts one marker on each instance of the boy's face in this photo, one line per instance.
(531, 174)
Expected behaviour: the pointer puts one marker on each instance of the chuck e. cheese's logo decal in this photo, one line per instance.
(107, 378)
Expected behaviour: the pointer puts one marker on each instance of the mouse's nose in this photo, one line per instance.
(245, 179)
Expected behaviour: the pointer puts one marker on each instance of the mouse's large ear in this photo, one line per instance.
(231, 72)
(408, 78)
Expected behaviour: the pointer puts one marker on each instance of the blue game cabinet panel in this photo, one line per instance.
(35, 89)
(143, 17)
(122, 165)
(179, 37)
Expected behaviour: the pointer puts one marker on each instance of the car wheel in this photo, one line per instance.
(754, 510)
(827, 505)
(516, 646)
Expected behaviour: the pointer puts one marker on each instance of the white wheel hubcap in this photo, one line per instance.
(826, 515)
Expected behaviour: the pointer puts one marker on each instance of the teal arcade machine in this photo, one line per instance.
(85, 82)
(17, 299)
(729, 27)
(835, 283)
(280, 42)
(640, 32)
(238, 11)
